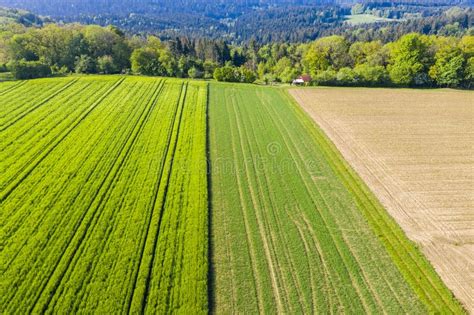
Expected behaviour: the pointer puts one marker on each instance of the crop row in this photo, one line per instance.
(179, 260)
(19, 99)
(57, 211)
(30, 138)
(7, 87)
(74, 233)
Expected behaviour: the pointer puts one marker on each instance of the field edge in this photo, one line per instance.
(334, 156)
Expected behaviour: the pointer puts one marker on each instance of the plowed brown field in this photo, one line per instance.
(415, 150)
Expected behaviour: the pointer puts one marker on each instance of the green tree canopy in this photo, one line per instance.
(327, 52)
(408, 59)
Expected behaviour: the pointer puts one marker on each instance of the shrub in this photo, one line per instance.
(346, 76)
(85, 64)
(209, 68)
(246, 75)
(327, 77)
(195, 73)
(23, 70)
(371, 75)
(56, 70)
(233, 74)
(226, 74)
(106, 65)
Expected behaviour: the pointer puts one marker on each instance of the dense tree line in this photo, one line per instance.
(211, 8)
(412, 60)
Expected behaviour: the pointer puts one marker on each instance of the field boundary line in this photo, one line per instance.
(392, 228)
(211, 277)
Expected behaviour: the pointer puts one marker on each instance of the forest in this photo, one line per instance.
(240, 21)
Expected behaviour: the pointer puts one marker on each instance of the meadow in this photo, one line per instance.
(294, 228)
(127, 194)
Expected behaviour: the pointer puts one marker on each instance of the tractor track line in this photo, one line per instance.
(150, 105)
(38, 105)
(12, 88)
(334, 237)
(135, 271)
(260, 223)
(129, 301)
(163, 205)
(106, 182)
(24, 172)
(88, 177)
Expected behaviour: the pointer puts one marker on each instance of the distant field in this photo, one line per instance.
(357, 19)
(415, 150)
(294, 230)
(103, 196)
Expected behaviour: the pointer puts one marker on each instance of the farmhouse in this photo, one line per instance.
(302, 80)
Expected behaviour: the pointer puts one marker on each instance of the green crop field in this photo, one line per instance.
(148, 195)
(103, 196)
(294, 230)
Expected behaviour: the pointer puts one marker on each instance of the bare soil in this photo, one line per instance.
(415, 150)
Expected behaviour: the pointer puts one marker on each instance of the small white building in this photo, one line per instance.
(298, 82)
(302, 80)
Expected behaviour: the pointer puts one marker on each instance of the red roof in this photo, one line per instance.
(305, 78)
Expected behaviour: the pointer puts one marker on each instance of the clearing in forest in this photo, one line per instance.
(415, 150)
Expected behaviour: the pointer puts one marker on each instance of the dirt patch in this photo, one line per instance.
(415, 150)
